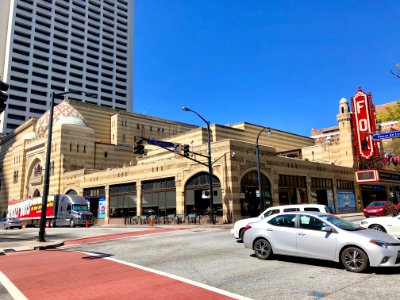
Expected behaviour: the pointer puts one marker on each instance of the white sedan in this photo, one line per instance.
(390, 225)
(322, 236)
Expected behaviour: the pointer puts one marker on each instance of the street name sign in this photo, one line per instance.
(161, 143)
(387, 135)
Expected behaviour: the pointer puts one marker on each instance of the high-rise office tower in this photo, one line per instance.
(49, 45)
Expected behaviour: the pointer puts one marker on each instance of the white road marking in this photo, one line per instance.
(195, 283)
(11, 288)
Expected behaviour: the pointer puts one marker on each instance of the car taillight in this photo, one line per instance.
(246, 228)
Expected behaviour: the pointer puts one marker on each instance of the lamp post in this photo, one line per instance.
(258, 168)
(47, 163)
(210, 182)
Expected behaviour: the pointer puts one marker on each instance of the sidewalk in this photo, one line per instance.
(16, 240)
(28, 243)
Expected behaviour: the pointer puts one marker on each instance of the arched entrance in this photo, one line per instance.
(36, 193)
(197, 198)
(249, 200)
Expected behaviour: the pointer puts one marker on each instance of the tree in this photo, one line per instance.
(390, 114)
(396, 72)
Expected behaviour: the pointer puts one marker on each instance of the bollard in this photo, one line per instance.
(87, 224)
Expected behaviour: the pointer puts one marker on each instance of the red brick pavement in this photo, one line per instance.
(63, 274)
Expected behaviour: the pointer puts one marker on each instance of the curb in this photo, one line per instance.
(45, 247)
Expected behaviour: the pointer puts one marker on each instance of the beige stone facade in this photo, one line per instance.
(92, 155)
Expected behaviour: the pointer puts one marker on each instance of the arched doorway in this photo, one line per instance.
(197, 198)
(249, 200)
(36, 193)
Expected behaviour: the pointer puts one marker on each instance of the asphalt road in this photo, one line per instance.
(212, 256)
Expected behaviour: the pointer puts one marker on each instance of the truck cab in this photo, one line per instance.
(72, 210)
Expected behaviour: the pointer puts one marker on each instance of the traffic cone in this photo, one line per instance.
(151, 222)
(87, 224)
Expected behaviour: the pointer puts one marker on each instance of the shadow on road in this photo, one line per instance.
(331, 264)
(97, 255)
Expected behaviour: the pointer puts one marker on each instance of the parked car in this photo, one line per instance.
(237, 230)
(10, 223)
(380, 208)
(390, 225)
(322, 236)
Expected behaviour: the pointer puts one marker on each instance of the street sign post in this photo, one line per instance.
(387, 135)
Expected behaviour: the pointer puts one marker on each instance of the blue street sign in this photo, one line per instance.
(161, 143)
(387, 135)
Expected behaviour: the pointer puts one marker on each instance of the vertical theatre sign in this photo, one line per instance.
(364, 125)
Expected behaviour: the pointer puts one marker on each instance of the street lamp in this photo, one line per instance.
(258, 168)
(47, 163)
(210, 182)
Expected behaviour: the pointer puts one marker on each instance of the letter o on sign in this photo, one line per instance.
(363, 125)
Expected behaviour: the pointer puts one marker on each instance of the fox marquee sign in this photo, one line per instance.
(364, 125)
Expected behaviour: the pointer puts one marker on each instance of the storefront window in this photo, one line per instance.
(123, 202)
(159, 197)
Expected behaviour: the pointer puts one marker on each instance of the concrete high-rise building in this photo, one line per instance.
(49, 45)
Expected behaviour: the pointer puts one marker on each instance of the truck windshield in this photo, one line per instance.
(77, 207)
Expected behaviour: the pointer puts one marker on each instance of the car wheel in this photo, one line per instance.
(262, 249)
(72, 223)
(377, 228)
(20, 227)
(241, 234)
(354, 259)
(53, 223)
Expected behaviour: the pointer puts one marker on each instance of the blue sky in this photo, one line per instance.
(278, 63)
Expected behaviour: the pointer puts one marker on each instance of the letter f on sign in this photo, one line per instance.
(359, 106)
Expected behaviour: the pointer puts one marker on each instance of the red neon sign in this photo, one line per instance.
(364, 124)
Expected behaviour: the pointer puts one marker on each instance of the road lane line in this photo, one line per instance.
(11, 288)
(175, 277)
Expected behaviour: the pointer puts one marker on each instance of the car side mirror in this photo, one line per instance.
(327, 229)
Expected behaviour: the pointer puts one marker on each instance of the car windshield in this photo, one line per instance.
(341, 223)
(377, 204)
(77, 207)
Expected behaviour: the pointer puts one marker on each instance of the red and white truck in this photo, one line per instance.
(62, 210)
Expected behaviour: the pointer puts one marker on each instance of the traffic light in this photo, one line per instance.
(364, 145)
(139, 148)
(186, 150)
(3, 96)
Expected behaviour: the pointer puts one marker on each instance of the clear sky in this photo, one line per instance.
(279, 63)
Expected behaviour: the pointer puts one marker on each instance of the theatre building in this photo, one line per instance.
(92, 155)
(359, 142)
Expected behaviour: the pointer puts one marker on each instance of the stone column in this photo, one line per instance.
(139, 206)
(107, 195)
(309, 190)
(334, 191)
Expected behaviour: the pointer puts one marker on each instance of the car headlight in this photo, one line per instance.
(364, 223)
(379, 243)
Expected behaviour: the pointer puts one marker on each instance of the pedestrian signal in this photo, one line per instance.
(364, 145)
